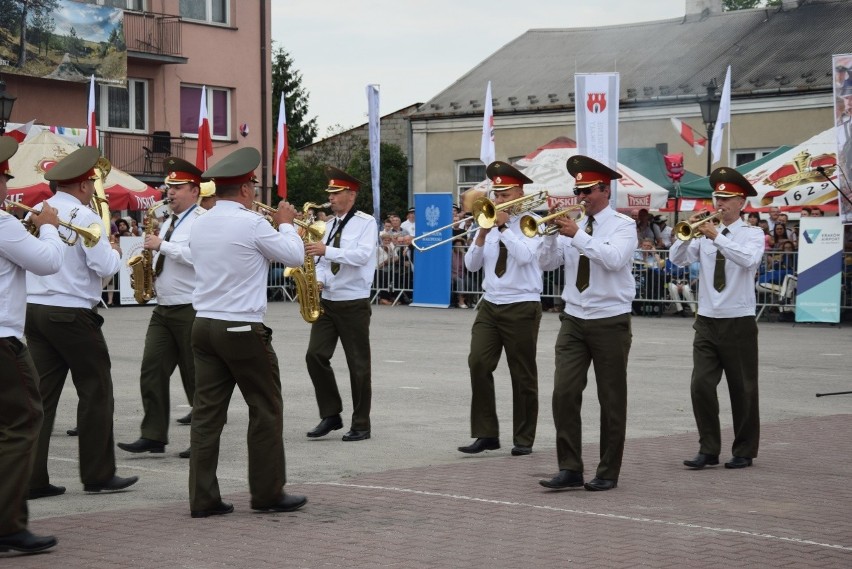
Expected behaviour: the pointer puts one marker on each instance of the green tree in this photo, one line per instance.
(393, 179)
(26, 8)
(730, 5)
(287, 80)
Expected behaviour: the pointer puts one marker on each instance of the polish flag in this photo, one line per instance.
(689, 135)
(91, 125)
(282, 152)
(205, 142)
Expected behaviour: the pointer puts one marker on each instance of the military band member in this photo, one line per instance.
(231, 247)
(63, 330)
(345, 269)
(168, 340)
(725, 327)
(599, 289)
(508, 319)
(21, 412)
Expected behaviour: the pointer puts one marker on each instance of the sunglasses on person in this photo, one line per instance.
(586, 191)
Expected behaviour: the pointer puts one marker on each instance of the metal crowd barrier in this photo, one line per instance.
(775, 285)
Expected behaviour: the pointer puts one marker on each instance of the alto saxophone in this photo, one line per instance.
(305, 277)
(142, 265)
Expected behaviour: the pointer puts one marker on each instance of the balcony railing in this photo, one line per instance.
(153, 34)
(141, 155)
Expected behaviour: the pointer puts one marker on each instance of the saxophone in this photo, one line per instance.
(305, 277)
(142, 265)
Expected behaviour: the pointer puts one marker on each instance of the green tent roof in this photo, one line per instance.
(649, 162)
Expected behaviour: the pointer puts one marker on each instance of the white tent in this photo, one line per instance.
(791, 179)
(547, 166)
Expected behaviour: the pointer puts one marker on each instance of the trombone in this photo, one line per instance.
(686, 231)
(91, 234)
(484, 213)
(530, 224)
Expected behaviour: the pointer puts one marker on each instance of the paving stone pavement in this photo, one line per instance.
(406, 498)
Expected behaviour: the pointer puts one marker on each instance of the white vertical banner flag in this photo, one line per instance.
(486, 150)
(374, 124)
(596, 96)
(723, 118)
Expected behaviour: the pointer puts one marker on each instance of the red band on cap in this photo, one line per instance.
(728, 189)
(234, 180)
(591, 178)
(4, 168)
(178, 177)
(506, 181)
(90, 175)
(338, 184)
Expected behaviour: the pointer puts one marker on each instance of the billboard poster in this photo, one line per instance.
(64, 40)
(842, 66)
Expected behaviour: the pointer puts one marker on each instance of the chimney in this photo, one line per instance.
(700, 9)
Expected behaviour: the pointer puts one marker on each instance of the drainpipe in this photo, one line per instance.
(264, 95)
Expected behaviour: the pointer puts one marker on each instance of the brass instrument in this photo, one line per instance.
(100, 203)
(91, 234)
(530, 225)
(686, 231)
(305, 277)
(484, 212)
(142, 265)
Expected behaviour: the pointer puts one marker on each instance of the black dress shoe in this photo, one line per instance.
(519, 450)
(287, 503)
(45, 492)
(481, 444)
(143, 445)
(26, 542)
(186, 420)
(701, 460)
(219, 509)
(185, 453)
(564, 479)
(71, 432)
(325, 426)
(600, 484)
(111, 485)
(354, 435)
(738, 462)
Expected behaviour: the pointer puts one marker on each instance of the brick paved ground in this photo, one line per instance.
(792, 509)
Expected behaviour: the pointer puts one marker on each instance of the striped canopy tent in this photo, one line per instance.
(37, 155)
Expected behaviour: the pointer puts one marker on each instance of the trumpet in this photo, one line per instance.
(686, 231)
(91, 234)
(308, 224)
(484, 213)
(530, 225)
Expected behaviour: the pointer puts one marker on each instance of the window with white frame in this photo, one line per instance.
(123, 108)
(218, 111)
(212, 11)
(744, 156)
(469, 173)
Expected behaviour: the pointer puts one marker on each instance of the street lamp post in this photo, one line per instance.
(709, 104)
(6, 103)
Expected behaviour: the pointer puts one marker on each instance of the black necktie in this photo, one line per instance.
(582, 282)
(500, 267)
(158, 268)
(719, 272)
(335, 243)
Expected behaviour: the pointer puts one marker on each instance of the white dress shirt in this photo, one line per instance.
(610, 251)
(176, 283)
(79, 282)
(21, 252)
(231, 247)
(356, 255)
(743, 251)
(522, 280)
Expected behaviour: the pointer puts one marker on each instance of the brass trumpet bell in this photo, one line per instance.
(90, 235)
(530, 226)
(686, 231)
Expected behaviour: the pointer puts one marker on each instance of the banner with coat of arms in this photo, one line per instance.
(596, 96)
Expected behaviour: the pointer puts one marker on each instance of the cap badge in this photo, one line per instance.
(721, 187)
(498, 180)
(579, 175)
(172, 175)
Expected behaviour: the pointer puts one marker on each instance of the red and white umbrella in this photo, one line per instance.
(38, 155)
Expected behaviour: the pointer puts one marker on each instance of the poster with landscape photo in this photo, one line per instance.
(63, 39)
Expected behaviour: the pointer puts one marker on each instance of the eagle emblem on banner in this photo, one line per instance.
(433, 213)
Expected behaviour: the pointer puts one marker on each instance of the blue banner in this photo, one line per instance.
(819, 267)
(432, 267)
